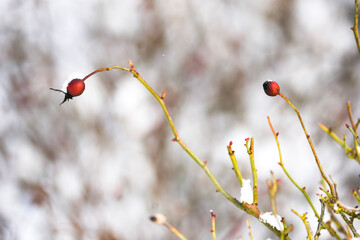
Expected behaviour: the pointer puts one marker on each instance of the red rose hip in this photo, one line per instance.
(271, 88)
(75, 88)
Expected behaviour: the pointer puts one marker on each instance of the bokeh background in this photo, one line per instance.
(98, 166)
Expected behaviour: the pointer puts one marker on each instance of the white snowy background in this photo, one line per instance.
(98, 166)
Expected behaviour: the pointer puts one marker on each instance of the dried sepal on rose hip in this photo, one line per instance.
(271, 88)
(74, 88)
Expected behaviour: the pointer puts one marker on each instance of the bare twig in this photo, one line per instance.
(235, 164)
(250, 151)
(320, 220)
(213, 216)
(250, 232)
(301, 189)
(306, 223)
(311, 145)
(355, 27)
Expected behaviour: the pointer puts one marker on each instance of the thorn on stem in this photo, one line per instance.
(130, 63)
(132, 68)
(205, 162)
(163, 95)
(212, 213)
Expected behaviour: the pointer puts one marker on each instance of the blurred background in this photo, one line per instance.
(99, 165)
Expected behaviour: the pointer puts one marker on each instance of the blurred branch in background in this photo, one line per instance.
(351, 152)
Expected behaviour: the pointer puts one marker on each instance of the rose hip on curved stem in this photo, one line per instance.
(271, 88)
(75, 88)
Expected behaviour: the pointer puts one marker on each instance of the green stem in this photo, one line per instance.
(253, 169)
(235, 164)
(175, 231)
(355, 27)
(302, 190)
(306, 223)
(250, 209)
(336, 138)
(311, 145)
(213, 216)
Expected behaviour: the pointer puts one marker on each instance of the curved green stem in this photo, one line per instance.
(250, 209)
(235, 164)
(301, 189)
(311, 146)
(355, 27)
